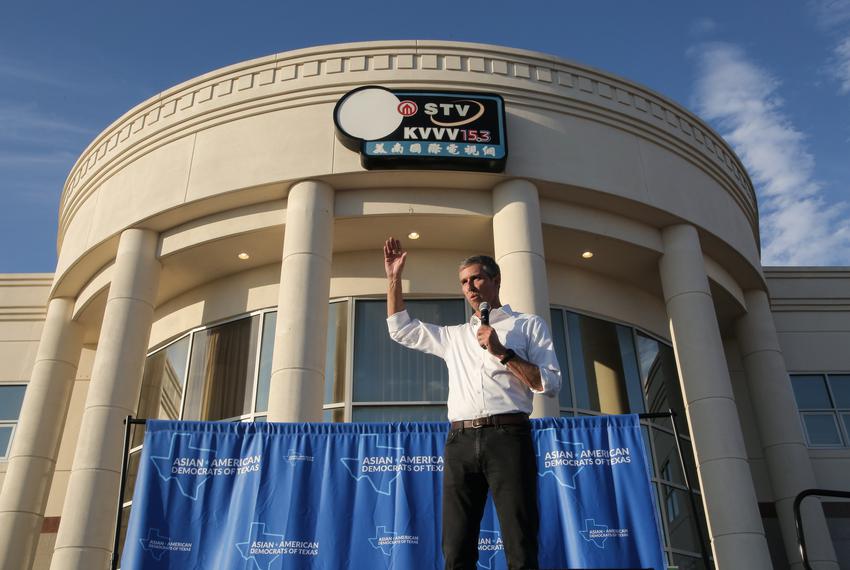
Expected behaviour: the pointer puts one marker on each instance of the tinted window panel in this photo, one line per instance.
(822, 429)
(385, 371)
(335, 356)
(840, 384)
(810, 391)
(11, 399)
(335, 415)
(266, 353)
(5, 440)
(559, 339)
(400, 414)
(221, 371)
(599, 371)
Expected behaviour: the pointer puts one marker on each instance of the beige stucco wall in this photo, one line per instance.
(240, 136)
(23, 306)
(811, 308)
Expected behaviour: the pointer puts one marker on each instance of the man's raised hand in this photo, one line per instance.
(394, 257)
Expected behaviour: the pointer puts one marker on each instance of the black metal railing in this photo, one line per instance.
(798, 518)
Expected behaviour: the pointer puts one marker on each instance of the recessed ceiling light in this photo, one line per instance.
(587, 254)
(243, 255)
(413, 235)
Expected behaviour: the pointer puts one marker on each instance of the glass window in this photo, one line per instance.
(684, 562)
(660, 378)
(578, 372)
(821, 429)
(337, 349)
(122, 533)
(266, 353)
(385, 371)
(810, 391)
(824, 403)
(616, 369)
(163, 382)
(628, 355)
(222, 370)
(11, 400)
(599, 370)
(5, 439)
(559, 339)
(132, 473)
(400, 414)
(667, 457)
(840, 384)
(334, 415)
(679, 519)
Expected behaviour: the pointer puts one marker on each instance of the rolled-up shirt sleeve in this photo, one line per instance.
(541, 353)
(415, 334)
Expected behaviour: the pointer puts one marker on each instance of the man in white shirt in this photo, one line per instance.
(490, 399)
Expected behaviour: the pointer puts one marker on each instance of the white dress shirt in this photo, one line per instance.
(479, 385)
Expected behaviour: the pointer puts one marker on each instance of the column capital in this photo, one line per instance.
(516, 219)
(309, 219)
(311, 184)
(60, 337)
(682, 266)
(138, 277)
(513, 191)
(756, 330)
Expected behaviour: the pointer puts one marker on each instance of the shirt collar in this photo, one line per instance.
(496, 315)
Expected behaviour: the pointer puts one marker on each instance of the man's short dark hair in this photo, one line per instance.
(487, 263)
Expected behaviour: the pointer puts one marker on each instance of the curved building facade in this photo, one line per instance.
(219, 259)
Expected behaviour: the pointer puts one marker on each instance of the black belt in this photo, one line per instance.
(490, 421)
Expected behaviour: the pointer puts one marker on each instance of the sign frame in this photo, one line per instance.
(459, 162)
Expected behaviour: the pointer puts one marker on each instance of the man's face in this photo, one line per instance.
(478, 287)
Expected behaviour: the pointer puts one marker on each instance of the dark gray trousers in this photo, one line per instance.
(501, 459)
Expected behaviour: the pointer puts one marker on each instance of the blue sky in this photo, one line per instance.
(771, 77)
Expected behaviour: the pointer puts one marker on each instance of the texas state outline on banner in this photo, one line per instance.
(269, 496)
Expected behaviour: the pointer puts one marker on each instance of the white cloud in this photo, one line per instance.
(18, 71)
(798, 226)
(831, 13)
(15, 159)
(703, 27)
(833, 17)
(840, 66)
(24, 122)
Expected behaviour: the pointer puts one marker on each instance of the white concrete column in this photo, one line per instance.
(786, 455)
(737, 534)
(37, 437)
(518, 247)
(298, 363)
(86, 531)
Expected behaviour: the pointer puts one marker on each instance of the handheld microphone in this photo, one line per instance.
(484, 309)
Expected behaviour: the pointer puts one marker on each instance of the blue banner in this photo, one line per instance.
(266, 496)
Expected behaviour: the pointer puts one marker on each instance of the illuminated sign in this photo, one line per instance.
(423, 129)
